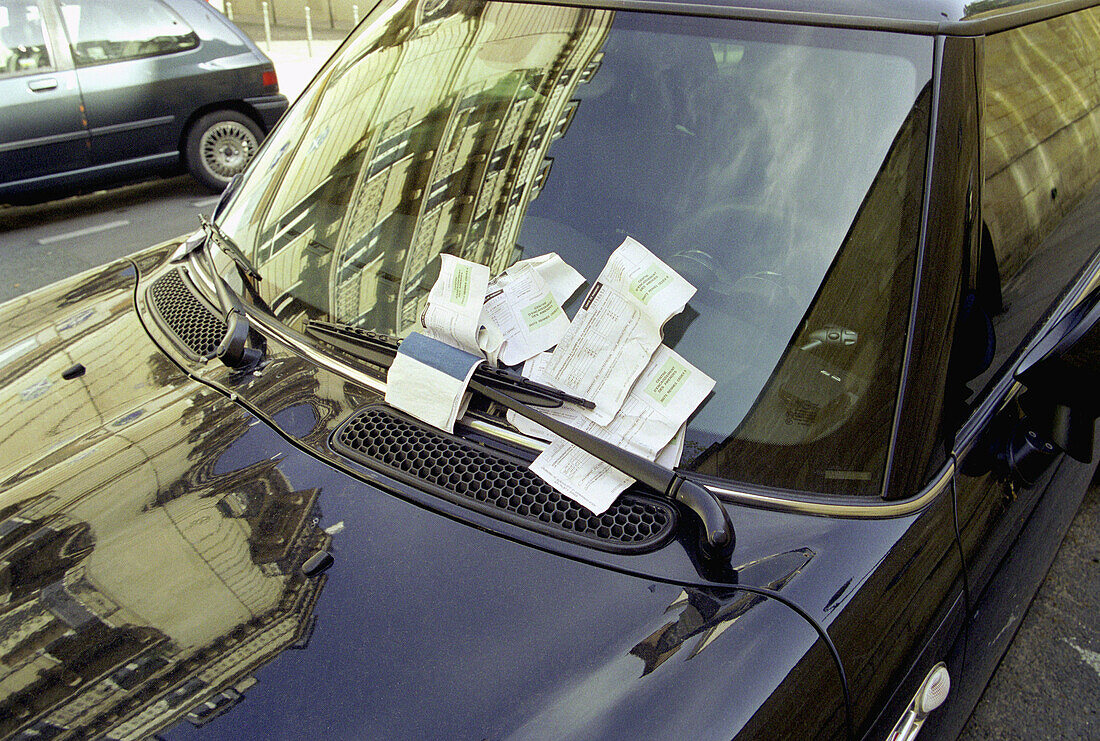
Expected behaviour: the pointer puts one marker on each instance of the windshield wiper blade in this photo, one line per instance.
(716, 536)
(233, 350)
(226, 244)
(379, 349)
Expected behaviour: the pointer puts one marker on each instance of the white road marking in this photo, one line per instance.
(205, 202)
(1092, 658)
(83, 232)
(1011, 621)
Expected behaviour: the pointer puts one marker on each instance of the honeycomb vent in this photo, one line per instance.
(501, 486)
(184, 316)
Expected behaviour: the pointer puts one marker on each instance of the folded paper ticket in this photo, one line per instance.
(651, 418)
(611, 340)
(524, 303)
(586, 479)
(428, 380)
(454, 308)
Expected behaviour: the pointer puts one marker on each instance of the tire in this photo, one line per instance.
(220, 145)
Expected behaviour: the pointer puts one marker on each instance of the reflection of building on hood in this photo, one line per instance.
(129, 607)
(706, 614)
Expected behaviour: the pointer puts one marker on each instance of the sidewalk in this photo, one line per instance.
(290, 52)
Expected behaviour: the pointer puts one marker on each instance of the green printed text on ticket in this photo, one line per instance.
(648, 283)
(669, 380)
(541, 313)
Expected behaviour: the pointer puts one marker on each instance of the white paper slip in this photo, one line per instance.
(559, 275)
(613, 336)
(651, 423)
(523, 303)
(580, 476)
(589, 481)
(428, 380)
(670, 455)
(666, 393)
(454, 308)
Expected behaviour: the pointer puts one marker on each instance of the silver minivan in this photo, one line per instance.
(94, 91)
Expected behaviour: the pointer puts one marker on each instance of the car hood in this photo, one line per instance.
(153, 527)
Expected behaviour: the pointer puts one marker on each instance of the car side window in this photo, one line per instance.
(101, 31)
(23, 46)
(1041, 170)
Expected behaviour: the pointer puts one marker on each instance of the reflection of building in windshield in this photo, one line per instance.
(462, 171)
(460, 121)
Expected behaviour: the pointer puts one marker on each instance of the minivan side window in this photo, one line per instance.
(1041, 169)
(100, 32)
(22, 38)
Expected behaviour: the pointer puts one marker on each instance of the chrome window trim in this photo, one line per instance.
(879, 509)
(1013, 16)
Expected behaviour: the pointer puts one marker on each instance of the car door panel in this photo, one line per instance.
(42, 130)
(1009, 584)
(130, 111)
(1015, 495)
(994, 501)
(133, 80)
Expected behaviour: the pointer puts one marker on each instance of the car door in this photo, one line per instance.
(1039, 196)
(1035, 256)
(128, 67)
(42, 131)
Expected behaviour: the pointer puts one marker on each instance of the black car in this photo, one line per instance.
(95, 91)
(213, 525)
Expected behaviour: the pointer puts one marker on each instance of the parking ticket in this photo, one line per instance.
(524, 302)
(454, 308)
(650, 421)
(615, 333)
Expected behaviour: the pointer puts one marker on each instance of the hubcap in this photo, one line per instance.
(226, 148)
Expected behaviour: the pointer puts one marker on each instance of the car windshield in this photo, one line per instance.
(777, 168)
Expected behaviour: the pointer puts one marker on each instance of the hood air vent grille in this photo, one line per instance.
(498, 485)
(184, 316)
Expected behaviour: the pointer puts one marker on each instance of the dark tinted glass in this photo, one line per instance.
(103, 31)
(776, 168)
(1041, 167)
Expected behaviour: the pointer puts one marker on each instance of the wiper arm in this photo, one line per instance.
(520, 395)
(716, 536)
(211, 232)
(226, 244)
(379, 350)
(233, 350)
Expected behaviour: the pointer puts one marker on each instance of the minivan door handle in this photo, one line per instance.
(38, 86)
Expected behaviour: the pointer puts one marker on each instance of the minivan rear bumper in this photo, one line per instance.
(269, 108)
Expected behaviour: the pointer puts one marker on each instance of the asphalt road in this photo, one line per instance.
(43, 243)
(1048, 685)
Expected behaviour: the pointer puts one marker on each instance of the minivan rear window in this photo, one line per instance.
(101, 31)
(778, 169)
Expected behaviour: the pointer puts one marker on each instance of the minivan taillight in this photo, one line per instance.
(270, 79)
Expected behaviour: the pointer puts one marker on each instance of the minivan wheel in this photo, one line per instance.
(219, 146)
